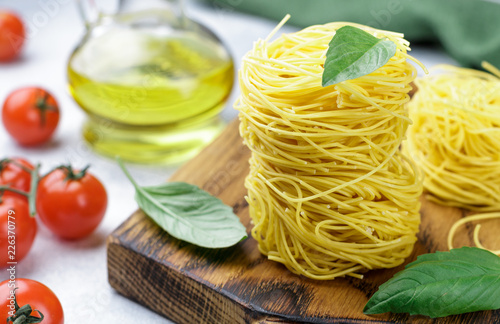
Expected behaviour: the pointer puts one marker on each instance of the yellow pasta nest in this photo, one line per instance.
(455, 137)
(330, 194)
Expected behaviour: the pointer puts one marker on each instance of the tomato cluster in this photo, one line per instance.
(69, 202)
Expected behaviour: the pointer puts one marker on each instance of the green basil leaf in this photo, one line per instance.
(441, 284)
(190, 214)
(467, 254)
(353, 53)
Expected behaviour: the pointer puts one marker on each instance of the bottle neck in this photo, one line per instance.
(92, 11)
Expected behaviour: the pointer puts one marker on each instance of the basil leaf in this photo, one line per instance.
(467, 254)
(441, 284)
(353, 53)
(189, 213)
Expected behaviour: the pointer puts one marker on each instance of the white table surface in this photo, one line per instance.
(76, 271)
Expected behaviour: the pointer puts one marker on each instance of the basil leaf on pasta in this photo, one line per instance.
(353, 53)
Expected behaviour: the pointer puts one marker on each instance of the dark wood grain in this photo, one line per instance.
(189, 284)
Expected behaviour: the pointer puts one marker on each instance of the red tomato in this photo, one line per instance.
(71, 204)
(33, 293)
(14, 173)
(11, 36)
(17, 229)
(30, 115)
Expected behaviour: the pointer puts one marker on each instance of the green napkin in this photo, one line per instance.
(469, 30)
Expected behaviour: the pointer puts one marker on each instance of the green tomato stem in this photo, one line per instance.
(8, 188)
(70, 173)
(43, 106)
(33, 189)
(22, 314)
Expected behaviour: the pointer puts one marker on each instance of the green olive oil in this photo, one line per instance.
(150, 96)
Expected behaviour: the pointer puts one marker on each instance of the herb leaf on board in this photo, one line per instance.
(189, 213)
(440, 284)
(353, 53)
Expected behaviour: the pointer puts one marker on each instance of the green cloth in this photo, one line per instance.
(469, 30)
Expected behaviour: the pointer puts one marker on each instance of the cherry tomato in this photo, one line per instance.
(17, 229)
(71, 204)
(14, 173)
(11, 35)
(30, 115)
(33, 293)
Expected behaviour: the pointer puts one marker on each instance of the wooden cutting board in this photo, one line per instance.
(189, 284)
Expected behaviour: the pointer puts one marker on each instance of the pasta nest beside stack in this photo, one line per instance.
(455, 138)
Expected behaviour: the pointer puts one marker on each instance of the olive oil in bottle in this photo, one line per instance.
(151, 94)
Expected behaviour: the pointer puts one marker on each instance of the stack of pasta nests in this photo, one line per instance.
(330, 193)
